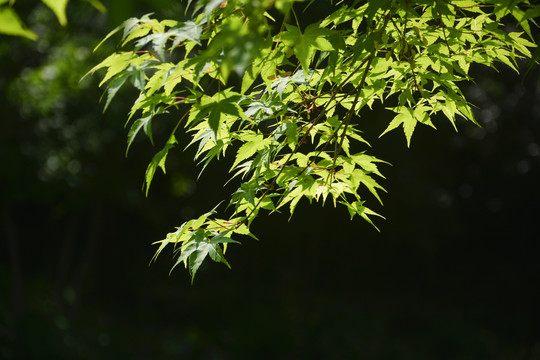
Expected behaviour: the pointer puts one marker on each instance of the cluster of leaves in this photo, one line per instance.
(11, 24)
(290, 124)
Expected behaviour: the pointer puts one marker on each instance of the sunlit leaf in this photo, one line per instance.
(59, 9)
(290, 122)
(98, 5)
(406, 118)
(145, 123)
(305, 44)
(11, 24)
(158, 161)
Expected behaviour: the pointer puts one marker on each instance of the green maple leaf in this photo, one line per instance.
(405, 117)
(225, 106)
(186, 31)
(215, 109)
(409, 118)
(158, 161)
(201, 245)
(254, 143)
(305, 45)
(145, 123)
(59, 9)
(11, 24)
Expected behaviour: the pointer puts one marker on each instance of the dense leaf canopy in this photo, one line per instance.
(286, 102)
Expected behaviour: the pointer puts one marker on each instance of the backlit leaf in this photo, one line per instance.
(291, 120)
(11, 24)
(158, 161)
(406, 118)
(59, 9)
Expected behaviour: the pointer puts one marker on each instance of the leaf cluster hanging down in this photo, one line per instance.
(291, 126)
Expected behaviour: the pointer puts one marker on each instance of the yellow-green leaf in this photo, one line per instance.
(11, 24)
(59, 9)
(405, 117)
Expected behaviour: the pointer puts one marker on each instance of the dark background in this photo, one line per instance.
(453, 274)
